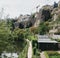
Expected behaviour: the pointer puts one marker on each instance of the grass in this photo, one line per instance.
(32, 37)
(46, 54)
(52, 54)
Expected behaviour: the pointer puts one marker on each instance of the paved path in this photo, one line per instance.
(30, 50)
(58, 51)
(42, 55)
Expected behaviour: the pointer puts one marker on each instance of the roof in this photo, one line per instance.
(45, 39)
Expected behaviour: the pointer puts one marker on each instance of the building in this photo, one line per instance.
(46, 43)
(9, 55)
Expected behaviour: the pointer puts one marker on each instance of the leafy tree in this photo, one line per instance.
(5, 38)
(20, 38)
(10, 23)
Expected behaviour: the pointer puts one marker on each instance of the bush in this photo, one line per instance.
(34, 30)
(52, 54)
(43, 28)
(46, 54)
(36, 52)
(23, 54)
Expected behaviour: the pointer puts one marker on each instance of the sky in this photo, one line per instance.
(16, 7)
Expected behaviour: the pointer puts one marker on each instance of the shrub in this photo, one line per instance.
(23, 54)
(34, 30)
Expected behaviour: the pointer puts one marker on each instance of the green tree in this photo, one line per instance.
(20, 38)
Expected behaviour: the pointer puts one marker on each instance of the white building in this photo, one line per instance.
(9, 55)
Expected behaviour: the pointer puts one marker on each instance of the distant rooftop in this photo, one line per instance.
(45, 39)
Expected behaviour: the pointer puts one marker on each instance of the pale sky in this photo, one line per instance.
(16, 7)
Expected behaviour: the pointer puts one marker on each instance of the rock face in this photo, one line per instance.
(37, 19)
(59, 4)
(55, 5)
(23, 21)
(29, 21)
(26, 21)
(56, 18)
(22, 18)
(46, 13)
(47, 7)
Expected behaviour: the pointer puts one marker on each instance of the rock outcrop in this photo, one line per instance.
(45, 13)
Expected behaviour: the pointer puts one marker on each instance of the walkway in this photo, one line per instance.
(30, 50)
(58, 51)
(42, 55)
